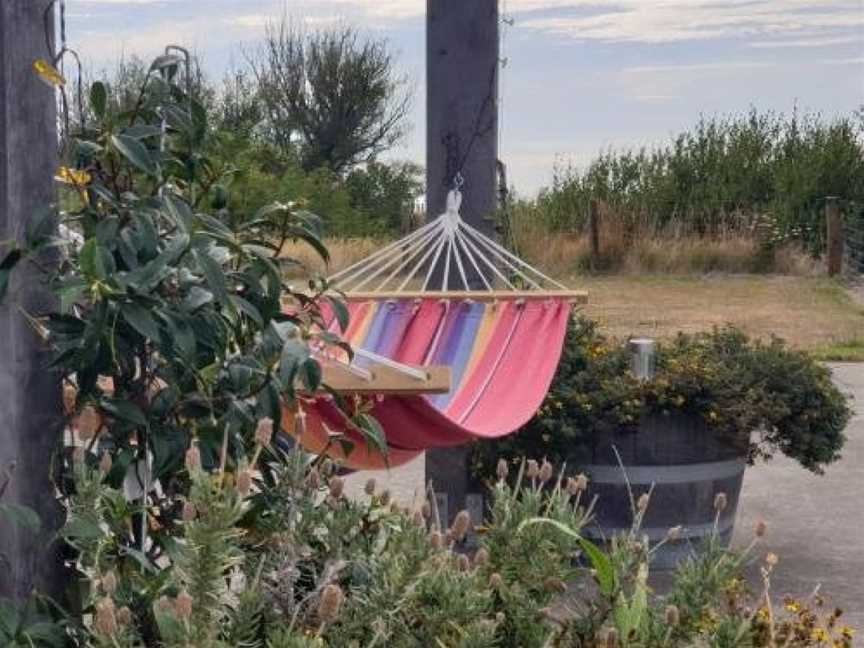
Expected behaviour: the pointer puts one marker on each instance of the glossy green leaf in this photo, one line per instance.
(142, 320)
(124, 410)
(98, 99)
(135, 152)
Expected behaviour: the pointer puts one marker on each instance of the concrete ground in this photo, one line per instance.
(815, 523)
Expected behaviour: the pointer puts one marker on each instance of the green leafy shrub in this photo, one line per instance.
(724, 173)
(781, 399)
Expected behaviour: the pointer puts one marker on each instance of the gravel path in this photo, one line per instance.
(816, 523)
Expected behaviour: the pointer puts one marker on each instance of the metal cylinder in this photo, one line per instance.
(644, 353)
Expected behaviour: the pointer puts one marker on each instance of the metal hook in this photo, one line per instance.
(458, 181)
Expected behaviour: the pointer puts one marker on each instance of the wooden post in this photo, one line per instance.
(594, 230)
(834, 235)
(462, 61)
(30, 431)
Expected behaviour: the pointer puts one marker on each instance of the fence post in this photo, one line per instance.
(834, 235)
(594, 230)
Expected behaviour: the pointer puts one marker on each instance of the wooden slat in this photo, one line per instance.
(386, 381)
(574, 296)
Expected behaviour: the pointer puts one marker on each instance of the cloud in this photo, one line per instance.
(665, 21)
(697, 67)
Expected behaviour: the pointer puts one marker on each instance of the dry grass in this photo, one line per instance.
(636, 247)
(810, 313)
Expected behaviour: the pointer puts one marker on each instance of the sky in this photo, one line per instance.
(582, 76)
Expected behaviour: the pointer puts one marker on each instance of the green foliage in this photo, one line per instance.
(781, 399)
(757, 170)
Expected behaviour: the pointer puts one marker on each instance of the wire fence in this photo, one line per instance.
(853, 247)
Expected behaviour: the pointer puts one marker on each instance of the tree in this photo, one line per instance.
(332, 93)
(386, 192)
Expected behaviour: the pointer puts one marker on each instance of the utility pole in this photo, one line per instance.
(462, 63)
(30, 421)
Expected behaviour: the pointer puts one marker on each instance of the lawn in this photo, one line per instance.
(810, 313)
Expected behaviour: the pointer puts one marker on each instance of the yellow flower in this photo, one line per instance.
(820, 635)
(72, 176)
(793, 606)
(48, 73)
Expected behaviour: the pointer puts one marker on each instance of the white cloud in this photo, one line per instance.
(697, 67)
(663, 21)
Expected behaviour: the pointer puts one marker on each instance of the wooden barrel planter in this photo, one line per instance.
(687, 463)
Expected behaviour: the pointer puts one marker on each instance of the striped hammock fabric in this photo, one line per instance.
(502, 354)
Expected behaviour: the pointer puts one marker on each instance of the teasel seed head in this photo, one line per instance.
(313, 479)
(761, 529)
(532, 470)
(244, 483)
(183, 605)
(369, 488)
(109, 583)
(720, 502)
(124, 616)
(105, 463)
(418, 519)
(264, 432)
(495, 581)
(461, 525)
(611, 640)
(337, 487)
(385, 498)
(88, 423)
(426, 510)
(189, 512)
(546, 471)
(105, 620)
(674, 533)
(771, 559)
(642, 502)
(462, 563)
(502, 470)
(481, 557)
(673, 616)
(436, 540)
(193, 458)
(330, 603)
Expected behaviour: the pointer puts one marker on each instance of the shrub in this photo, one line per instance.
(738, 386)
(291, 562)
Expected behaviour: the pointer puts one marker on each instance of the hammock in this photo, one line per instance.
(501, 344)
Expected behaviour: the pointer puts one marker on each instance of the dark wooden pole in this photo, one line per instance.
(29, 394)
(834, 235)
(462, 61)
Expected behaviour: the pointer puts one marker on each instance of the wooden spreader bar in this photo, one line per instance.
(385, 380)
(573, 296)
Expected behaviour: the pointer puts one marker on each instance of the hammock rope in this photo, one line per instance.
(462, 246)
